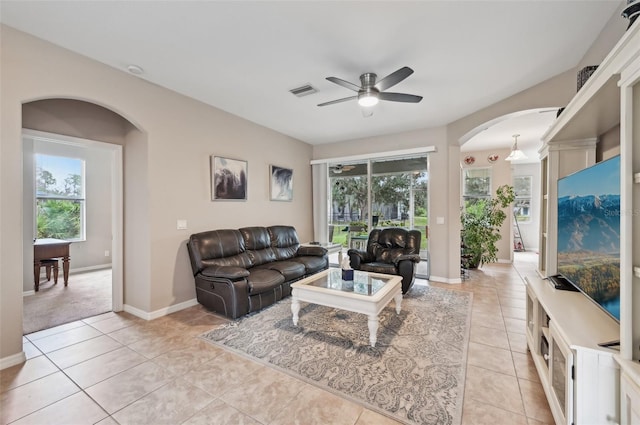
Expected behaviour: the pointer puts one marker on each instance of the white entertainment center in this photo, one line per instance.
(586, 383)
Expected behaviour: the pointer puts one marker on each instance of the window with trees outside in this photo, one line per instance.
(378, 193)
(522, 188)
(60, 197)
(476, 184)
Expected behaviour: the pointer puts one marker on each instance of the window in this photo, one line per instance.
(522, 188)
(60, 197)
(392, 189)
(476, 183)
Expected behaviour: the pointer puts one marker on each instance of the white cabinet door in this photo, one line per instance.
(560, 376)
(630, 402)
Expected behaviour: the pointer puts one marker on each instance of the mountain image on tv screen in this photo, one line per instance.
(589, 232)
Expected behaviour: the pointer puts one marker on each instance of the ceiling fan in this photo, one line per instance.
(370, 91)
(339, 168)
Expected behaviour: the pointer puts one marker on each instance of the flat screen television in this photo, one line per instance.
(589, 233)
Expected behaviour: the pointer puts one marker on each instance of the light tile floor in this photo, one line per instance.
(116, 368)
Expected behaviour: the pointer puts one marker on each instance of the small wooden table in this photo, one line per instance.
(50, 248)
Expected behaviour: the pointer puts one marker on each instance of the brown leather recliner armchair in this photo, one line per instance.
(391, 251)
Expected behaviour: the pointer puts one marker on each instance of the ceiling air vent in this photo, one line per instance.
(305, 90)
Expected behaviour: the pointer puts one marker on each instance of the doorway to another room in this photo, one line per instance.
(72, 192)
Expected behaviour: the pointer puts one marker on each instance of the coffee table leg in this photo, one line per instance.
(295, 309)
(373, 329)
(398, 300)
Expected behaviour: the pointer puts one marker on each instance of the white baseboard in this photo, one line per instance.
(161, 312)
(27, 293)
(12, 360)
(90, 268)
(445, 279)
(503, 261)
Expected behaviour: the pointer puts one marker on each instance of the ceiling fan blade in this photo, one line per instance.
(393, 78)
(400, 97)
(344, 83)
(344, 99)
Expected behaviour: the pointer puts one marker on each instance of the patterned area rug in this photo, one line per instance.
(415, 374)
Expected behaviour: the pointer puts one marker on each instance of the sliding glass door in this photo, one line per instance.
(379, 193)
(349, 202)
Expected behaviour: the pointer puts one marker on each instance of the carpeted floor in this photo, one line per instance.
(88, 294)
(415, 374)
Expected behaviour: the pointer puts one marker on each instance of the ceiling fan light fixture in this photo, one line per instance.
(368, 99)
(370, 92)
(516, 154)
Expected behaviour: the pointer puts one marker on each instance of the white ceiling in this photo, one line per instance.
(244, 56)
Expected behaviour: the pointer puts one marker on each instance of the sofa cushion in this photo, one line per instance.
(240, 260)
(255, 238)
(376, 267)
(392, 238)
(291, 270)
(284, 241)
(312, 264)
(258, 245)
(262, 279)
(225, 272)
(386, 255)
(217, 244)
(261, 256)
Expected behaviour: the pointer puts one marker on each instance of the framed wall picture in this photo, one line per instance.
(228, 179)
(281, 183)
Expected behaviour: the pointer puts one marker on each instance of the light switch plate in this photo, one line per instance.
(182, 224)
(439, 220)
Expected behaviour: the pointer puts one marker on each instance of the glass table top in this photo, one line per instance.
(362, 283)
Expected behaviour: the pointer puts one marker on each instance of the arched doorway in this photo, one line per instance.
(482, 159)
(66, 125)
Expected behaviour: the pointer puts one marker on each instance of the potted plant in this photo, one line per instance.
(481, 223)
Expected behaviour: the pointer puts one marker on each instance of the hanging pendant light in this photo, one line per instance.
(516, 154)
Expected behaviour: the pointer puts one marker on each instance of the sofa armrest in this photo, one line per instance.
(316, 251)
(225, 272)
(222, 295)
(357, 257)
(406, 257)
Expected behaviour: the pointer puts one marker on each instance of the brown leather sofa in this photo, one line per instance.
(240, 271)
(391, 251)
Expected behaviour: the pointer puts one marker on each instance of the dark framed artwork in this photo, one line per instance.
(228, 179)
(281, 183)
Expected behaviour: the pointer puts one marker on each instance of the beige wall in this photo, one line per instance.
(608, 144)
(166, 172)
(608, 37)
(75, 118)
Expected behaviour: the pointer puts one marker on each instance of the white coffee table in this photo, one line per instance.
(368, 293)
